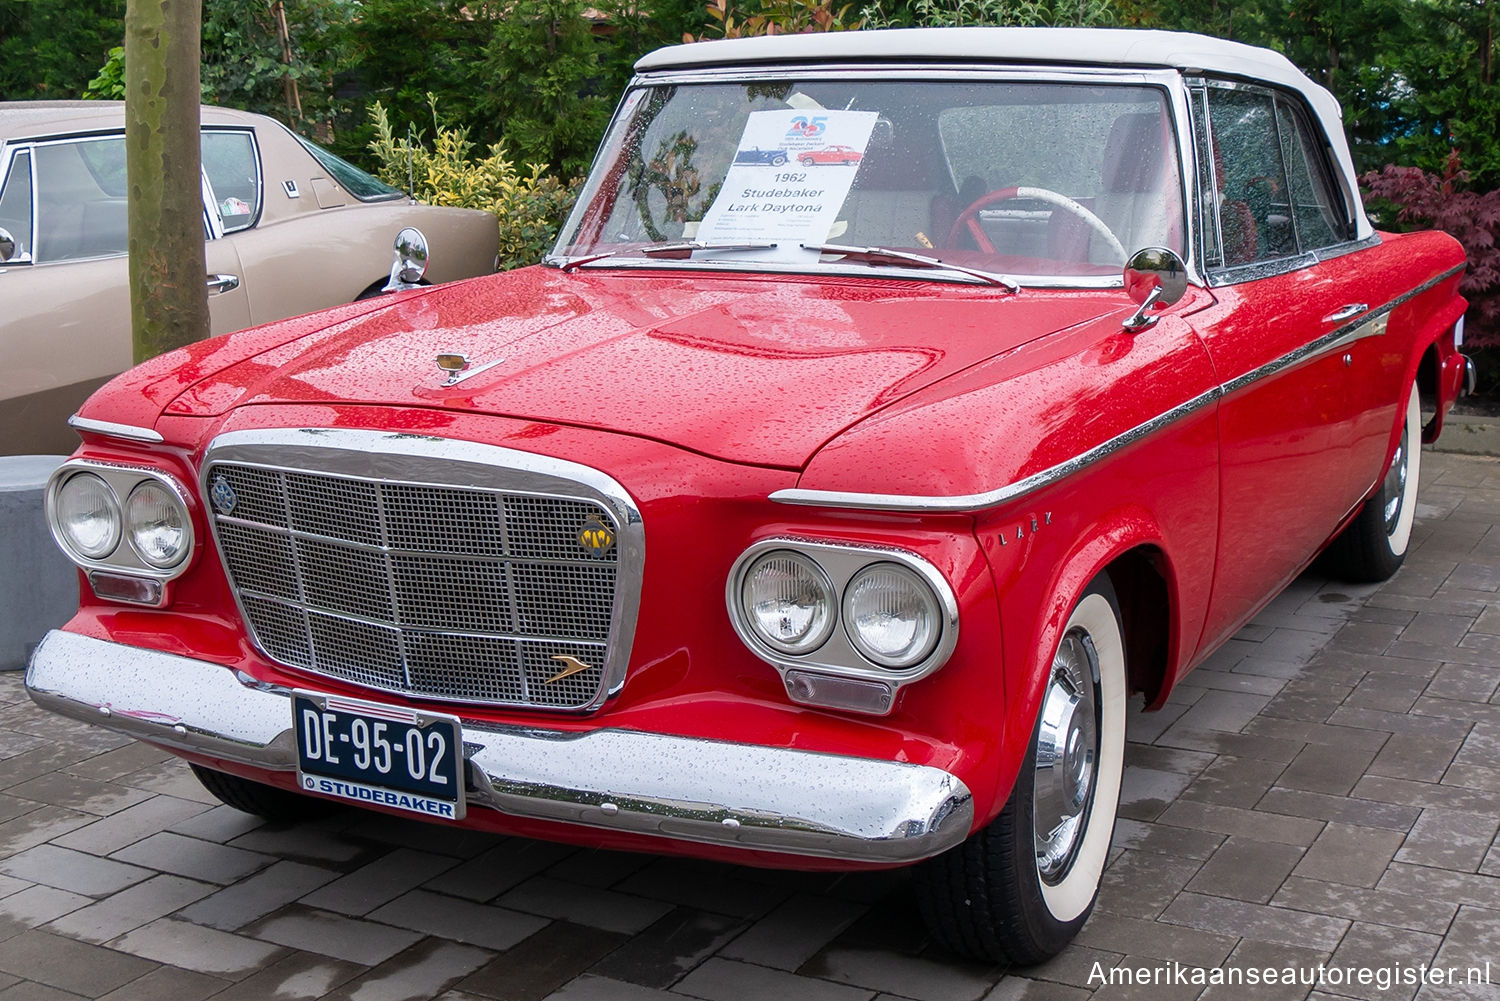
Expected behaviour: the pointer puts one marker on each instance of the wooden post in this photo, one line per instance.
(164, 198)
(293, 98)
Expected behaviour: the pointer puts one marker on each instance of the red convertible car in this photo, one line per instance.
(805, 519)
(842, 155)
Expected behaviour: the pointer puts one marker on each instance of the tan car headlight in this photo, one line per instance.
(788, 602)
(87, 517)
(158, 525)
(891, 615)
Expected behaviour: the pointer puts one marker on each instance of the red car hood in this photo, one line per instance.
(752, 370)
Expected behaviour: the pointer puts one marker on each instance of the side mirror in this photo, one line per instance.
(410, 262)
(7, 245)
(1154, 277)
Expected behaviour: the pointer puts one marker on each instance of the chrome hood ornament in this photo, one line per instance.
(454, 365)
(457, 367)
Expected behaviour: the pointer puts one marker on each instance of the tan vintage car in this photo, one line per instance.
(290, 228)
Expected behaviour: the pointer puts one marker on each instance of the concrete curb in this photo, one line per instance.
(39, 589)
(1469, 435)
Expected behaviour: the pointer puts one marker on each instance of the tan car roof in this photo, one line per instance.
(37, 119)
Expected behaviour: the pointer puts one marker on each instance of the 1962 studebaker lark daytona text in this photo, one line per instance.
(794, 516)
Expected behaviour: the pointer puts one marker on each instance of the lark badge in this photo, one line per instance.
(596, 537)
(570, 666)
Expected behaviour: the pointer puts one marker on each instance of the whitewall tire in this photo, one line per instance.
(1019, 889)
(1374, 544)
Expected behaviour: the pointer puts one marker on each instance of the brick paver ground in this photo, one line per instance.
(1325, 791)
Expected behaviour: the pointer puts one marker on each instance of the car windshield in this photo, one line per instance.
(1054, 181)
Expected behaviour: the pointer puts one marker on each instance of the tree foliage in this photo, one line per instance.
(540, 66)
(1426, 200)
(997, 13)
(50, 49)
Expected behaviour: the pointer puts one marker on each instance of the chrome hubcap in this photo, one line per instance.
(1393, 490)
(1067, 756)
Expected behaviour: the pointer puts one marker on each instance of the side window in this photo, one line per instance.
(80, 199)
(229, 161)
(1320, 215)
(15, 204)
(1250, 184)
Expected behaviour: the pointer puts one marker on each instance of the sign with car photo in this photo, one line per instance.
(770, 194)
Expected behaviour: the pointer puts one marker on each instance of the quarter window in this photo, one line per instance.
(1320, 217)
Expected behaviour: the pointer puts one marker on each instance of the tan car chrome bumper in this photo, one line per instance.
(750, 796)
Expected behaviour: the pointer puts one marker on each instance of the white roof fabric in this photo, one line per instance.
(1105, 47)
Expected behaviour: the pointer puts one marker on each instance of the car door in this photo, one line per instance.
(65, 298)
(1294, 342)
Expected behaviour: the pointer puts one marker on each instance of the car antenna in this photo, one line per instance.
(411, 192)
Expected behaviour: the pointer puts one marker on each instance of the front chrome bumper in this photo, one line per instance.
(770, 799)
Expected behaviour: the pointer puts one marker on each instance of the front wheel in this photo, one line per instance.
(1374, 544)
(1018, 890)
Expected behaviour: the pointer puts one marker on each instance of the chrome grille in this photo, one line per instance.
(458, 593)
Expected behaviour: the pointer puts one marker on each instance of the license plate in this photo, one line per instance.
(379, 755)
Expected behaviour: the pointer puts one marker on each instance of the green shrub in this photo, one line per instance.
(528, 207)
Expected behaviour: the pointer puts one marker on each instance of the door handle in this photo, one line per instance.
(219, 284)
(1348, 312)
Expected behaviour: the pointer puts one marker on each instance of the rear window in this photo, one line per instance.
(365, 187)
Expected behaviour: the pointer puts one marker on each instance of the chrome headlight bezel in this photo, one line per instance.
(836, 674)
(825, 620)
(57, 521)
(124, 560)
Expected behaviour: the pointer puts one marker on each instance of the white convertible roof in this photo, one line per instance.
(1103, 47)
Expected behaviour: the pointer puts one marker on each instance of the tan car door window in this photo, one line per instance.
(80, 200)
(234, 174)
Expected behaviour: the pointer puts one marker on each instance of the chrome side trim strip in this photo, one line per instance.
(127, 431)
(748, 796)
(937, 504)
(1372, 321)
(992, 498)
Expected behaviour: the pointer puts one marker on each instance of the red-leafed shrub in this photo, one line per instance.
(1428, 201)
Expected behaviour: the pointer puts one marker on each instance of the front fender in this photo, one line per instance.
(1039, 579)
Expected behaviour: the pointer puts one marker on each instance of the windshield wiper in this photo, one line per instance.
(884, 255)
(675, 250)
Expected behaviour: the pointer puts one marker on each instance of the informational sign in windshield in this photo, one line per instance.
(791, 173)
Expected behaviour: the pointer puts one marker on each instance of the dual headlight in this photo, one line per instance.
(120, 523)
(891, 616)
(861, 616)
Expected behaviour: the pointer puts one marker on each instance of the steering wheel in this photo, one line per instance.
(969, 217)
